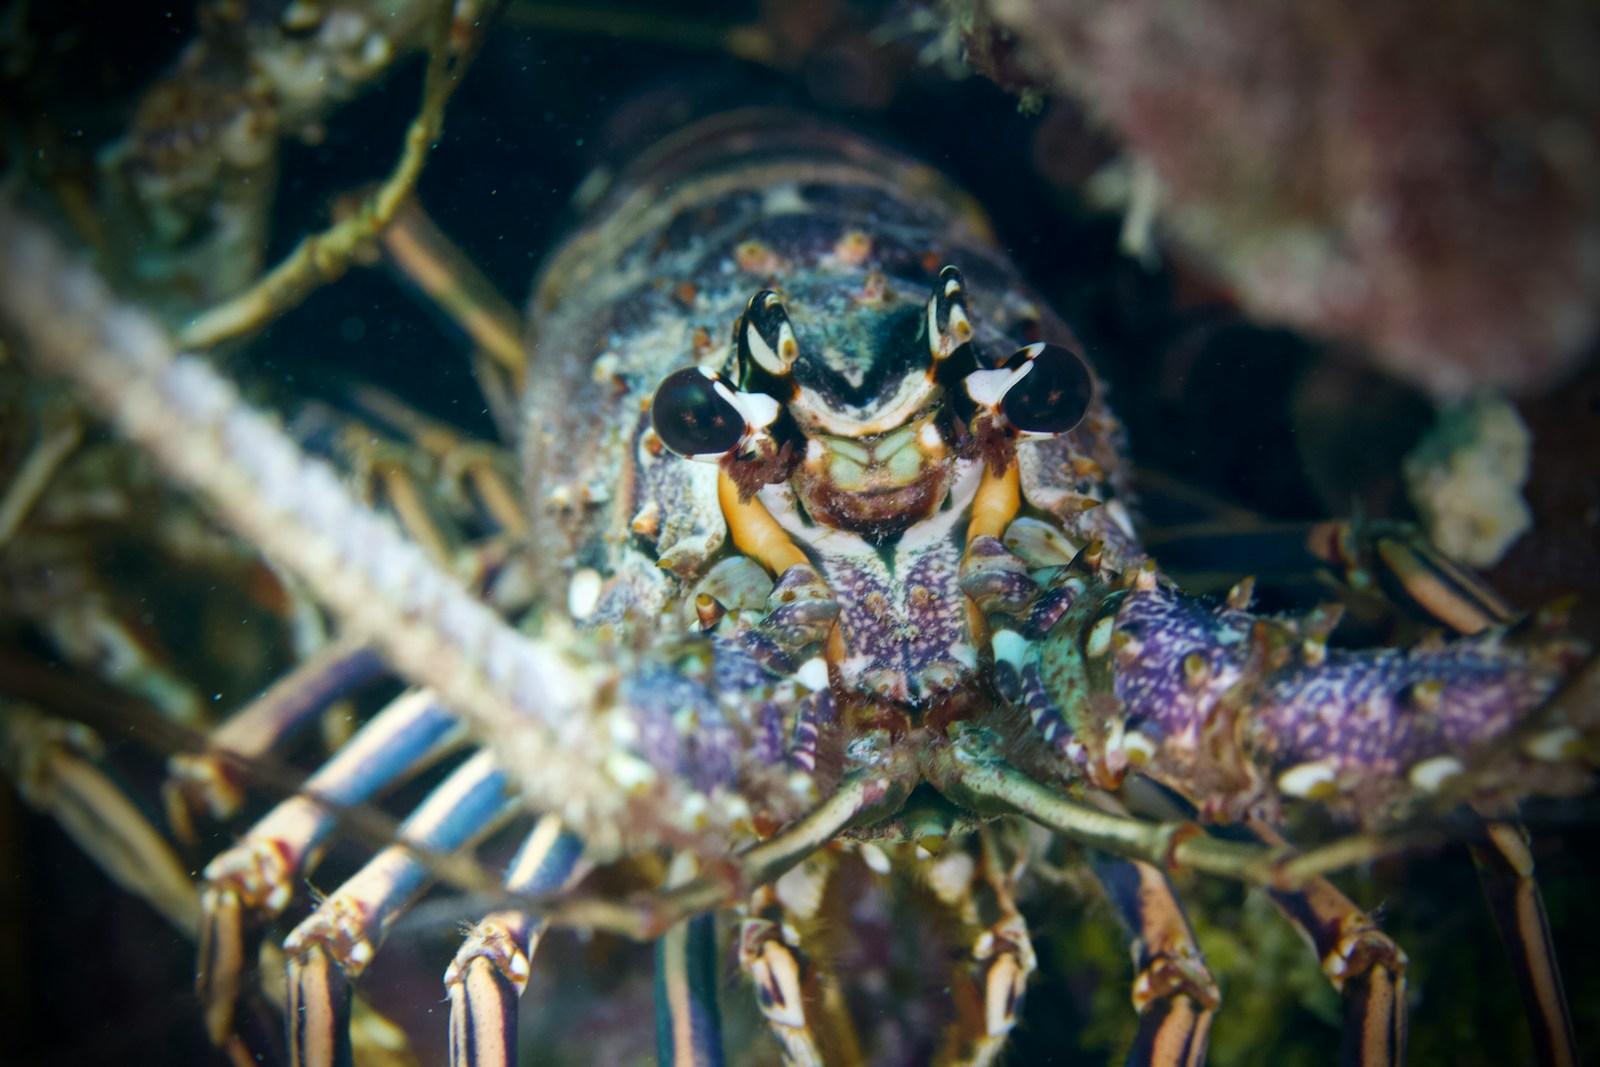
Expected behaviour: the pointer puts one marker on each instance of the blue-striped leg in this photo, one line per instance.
(209, 783)
(53, 766)
(490, 971)
(338, 940)
(688, 1021)
(256, 878)
(861, 798)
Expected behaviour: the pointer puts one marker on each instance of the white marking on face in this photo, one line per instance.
(959, 326)
(761, 351)
(988, 387)
(816, 415)
(779, 500)
(759, 410)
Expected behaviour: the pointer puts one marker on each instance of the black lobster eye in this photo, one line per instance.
(1053, 393)
(692, 417)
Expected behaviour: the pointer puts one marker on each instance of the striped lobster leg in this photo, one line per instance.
(256, 878)
(340, 938)
(1173, 992)
(490, 972)
(1438, 591)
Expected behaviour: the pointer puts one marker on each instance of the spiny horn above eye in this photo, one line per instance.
(767, 347)
(948, 325)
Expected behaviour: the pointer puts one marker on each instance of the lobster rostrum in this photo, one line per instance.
(862, 571)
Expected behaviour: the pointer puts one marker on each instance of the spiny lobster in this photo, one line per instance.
(898, 601)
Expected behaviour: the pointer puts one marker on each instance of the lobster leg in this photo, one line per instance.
(1362, 962)
(417, 250)
(972, 773)
(1505, 864)
(1173, 992)
(42, 758)
(688, 1022)
(796, 992)
(257, 876)
(208, 783)
(338, 940)
(46, 762)
(1451, 595)
(990, 978)
(688, 1019)
(490, 971)
(862, 797)
(468, 466)
(1505, 869)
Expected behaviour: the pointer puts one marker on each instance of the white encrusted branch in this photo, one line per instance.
(539, 707)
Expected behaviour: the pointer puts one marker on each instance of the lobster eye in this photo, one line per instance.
(695, 418)
(1051, 392)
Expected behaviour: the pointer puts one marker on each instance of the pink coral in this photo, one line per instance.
(1422, 177)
